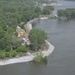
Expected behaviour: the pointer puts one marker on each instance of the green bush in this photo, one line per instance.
(8, 48)
(21, 49)
(13, 54)
(2, 56)
(7, 54)
(39, 59)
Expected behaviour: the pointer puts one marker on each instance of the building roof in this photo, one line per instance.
(18, 30)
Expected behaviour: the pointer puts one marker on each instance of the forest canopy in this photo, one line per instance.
(12, 13)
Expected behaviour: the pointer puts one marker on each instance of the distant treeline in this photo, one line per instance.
(68, 13)
(12, 12)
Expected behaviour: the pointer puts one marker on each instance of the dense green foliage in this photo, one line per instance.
(42, 1)
(21, 49)
(40, 58)
(12, 53)
(37, 38)
(12, 13)
(47, 10)
(4, 54)
(68, 13)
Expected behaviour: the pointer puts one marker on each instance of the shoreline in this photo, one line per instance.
(28, 25)
(28, 57)
(31, 56)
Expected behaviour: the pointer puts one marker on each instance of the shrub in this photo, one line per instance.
(21, 49)
(2, 56)
(39, 59)
(8, 48)
(13, 54)
(7, 54)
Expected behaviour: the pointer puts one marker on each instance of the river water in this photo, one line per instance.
(62, 61)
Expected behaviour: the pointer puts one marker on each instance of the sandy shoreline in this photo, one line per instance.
(28, 57)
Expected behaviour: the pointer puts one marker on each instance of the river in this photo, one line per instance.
(62, 61)
(65, 4)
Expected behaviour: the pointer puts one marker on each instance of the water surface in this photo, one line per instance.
(62, 35)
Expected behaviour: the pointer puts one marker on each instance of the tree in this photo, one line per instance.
(22, 49)
(10, 31)
(2, 44)
(47, 10)
(2, 33)
(8, 48)
(37, 38)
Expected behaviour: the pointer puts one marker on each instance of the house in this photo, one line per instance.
(21, 32)
(23, 36)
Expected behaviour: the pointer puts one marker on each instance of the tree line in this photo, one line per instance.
(68, 13)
